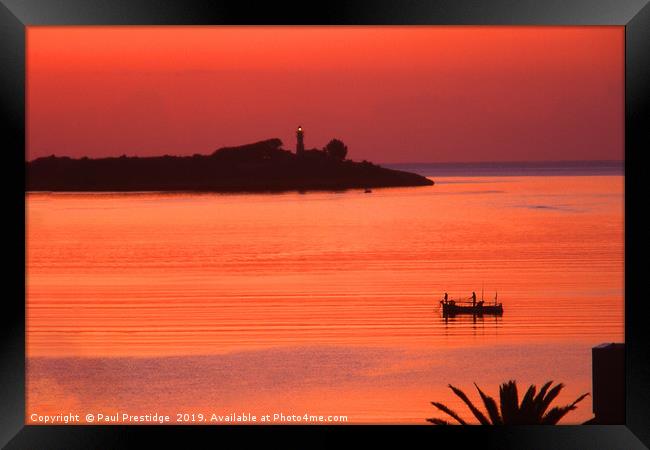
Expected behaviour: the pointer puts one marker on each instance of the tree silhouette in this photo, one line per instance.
(531, 411)
(336, 149)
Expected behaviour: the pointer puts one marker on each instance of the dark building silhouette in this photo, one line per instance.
(300, 144)
(608, 372)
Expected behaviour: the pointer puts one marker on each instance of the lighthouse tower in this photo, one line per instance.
(300, 144)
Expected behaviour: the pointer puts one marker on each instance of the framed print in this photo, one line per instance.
(297, 224)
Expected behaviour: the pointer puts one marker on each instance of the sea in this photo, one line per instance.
(323, 307)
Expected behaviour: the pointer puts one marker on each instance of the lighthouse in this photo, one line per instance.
(300, 144)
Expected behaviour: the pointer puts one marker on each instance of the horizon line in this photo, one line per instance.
(534, 161)
(523, 161)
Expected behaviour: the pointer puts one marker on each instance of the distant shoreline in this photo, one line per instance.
(512, 168)
(258, 167)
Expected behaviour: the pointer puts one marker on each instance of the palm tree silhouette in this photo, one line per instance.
(531, 411)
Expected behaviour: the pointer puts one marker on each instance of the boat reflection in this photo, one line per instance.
(495, 319)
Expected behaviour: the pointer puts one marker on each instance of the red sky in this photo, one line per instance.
(393, 94)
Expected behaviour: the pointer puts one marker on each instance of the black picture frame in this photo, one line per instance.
(16, 15)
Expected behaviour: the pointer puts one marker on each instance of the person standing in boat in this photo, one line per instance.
(446, 297)
(474, 299)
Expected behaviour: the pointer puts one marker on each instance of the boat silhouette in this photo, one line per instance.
(451, 307)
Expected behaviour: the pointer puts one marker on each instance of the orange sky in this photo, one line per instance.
(393, 94)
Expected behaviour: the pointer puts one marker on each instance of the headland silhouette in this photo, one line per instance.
(260, 166)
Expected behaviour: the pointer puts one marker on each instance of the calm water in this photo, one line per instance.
(319, 303)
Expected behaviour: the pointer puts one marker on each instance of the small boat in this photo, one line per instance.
(477, 308)
(367, 191)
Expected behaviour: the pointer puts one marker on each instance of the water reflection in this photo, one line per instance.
(474, 319)
(154, 292)
(471, 324)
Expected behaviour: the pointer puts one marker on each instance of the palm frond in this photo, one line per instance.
(449, 412)
(579, 399)
(548, 399)
(526, 415)
(478, 414)
(532, 410)
(490, 406)
(528, 396)
(509, 402)
(538, 400)
(555, 414)
(542, 391)
(435, 421)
